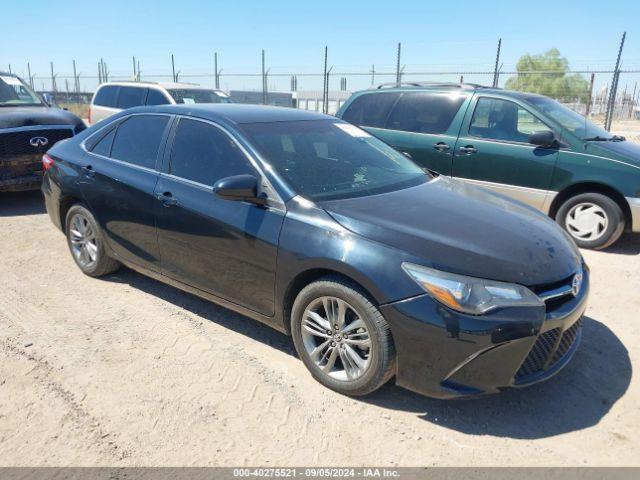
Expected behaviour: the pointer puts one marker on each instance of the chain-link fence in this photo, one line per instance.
(610, 98)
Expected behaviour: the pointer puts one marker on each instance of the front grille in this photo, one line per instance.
(17, 142)
(539, 354)
(547, 346)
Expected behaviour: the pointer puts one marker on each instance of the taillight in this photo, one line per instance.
(47, 162)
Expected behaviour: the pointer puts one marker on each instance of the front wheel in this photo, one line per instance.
(593, 220)
(342, 338)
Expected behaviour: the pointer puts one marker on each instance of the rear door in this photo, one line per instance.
(423, 124)
(118, 182)
(104, 103)
(493, 151)
(227, 248)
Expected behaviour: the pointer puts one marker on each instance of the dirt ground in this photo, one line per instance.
(127, 371)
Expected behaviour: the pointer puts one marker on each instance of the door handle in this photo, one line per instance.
(167, 199)
(441, 147)
(88, 171)
(469, 149)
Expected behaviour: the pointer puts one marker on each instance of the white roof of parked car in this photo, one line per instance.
(165, 85)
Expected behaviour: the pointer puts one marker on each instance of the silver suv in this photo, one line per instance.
(113, 97)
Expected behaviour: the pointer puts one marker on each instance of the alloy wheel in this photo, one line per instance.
(83, 241)
(336, 338)
(586, 221)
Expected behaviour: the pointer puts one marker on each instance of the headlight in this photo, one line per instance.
(468, 294)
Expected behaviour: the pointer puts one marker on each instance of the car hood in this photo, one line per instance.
(625, 151)
(459, 228)
(15, 117)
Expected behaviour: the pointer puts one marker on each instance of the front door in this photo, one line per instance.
(493, 151)
(227, 248)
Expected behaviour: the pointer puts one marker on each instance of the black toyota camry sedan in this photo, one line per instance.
(309, 224)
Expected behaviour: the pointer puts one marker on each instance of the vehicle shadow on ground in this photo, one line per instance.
(577, 398)
(206, 310)
(628, 244)
(15, 204)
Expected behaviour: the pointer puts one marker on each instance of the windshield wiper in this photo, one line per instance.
(598, 138)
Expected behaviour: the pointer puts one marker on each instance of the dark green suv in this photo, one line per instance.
(526, 146)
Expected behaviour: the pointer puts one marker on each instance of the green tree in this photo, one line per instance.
(546, 74)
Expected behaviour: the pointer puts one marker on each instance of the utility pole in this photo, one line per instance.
(398, 65)
(614, 87)
(495, 70)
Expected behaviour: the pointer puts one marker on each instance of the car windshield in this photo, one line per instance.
(329, 159)
(577, 124)
(198, 95)
(14, 92)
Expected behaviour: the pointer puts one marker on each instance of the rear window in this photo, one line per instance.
(370, 110)
(198, 95)
(424, 112)
(131, 97)
(103, 146)
(138, 139)
(106, 96)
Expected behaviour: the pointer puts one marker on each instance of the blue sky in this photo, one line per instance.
(435, 35)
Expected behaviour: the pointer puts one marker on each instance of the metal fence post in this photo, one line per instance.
(495, 70)
(135, 74)
(633, 100)
(373, 75)
(53, 80)
(173, 68)
(614, 87)
(590, 97)
(325, 84)
(398, 81)
(31, 78)
(264, 82)
(216, 78)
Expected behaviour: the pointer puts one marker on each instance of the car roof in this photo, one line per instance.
(441, 87)
(165, 85)
(236, 113)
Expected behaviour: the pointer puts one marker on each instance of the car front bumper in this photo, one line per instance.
(634, 206)
(446, 354)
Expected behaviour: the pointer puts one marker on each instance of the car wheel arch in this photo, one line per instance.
(65, 204)
(590, 187)
(308, 276)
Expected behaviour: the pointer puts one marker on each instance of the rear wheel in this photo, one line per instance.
(342, 338)
(86, 243)
(593, 220)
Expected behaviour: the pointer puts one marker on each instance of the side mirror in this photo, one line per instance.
(543, 138)
(48, 99)
(239, 188)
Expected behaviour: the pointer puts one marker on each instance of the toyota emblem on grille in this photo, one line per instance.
(576, 284)
(38, 141)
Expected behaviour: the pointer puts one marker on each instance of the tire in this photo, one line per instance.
(602, 220)
(87, 247)
(378, 357)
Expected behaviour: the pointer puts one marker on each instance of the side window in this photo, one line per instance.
(103, 146)
(370, 110)
(499, 119)
(205, 154)
(156, 97)
(424, 112)
(106, 96)
(131, 97)
(138, 138)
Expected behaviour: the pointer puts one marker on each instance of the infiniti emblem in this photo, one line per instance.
(576, 284)
(38, 141)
